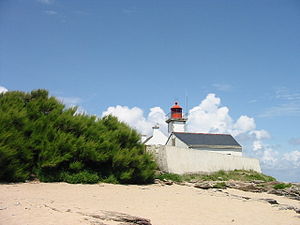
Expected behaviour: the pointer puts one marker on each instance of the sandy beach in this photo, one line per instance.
(61, 203)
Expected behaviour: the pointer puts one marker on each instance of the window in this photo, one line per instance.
(177, 110)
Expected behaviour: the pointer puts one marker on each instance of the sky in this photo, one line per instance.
(234, 66)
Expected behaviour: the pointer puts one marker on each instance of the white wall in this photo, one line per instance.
(178, 142)
(226, 151)
(182, 160)
(176, 126)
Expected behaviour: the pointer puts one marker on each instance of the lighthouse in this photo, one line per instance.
(176, 121)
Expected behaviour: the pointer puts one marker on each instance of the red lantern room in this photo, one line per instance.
(176, 121)
(176, 111)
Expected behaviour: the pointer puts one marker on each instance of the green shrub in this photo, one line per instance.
(282, 186)
(76, 166)
(83, 177)
(111, 179)
(39, 137)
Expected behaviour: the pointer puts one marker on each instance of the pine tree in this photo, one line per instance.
(41, 138)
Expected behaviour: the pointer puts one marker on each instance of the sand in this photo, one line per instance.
(61, 203)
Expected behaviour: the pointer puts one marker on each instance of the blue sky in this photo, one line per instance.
(142, 54)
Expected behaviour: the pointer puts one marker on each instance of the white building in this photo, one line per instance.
(157, 138)
(217, 143)
(184, 152)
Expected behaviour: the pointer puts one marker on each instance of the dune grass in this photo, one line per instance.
(238, 175)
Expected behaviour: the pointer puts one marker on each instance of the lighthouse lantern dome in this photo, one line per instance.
(176, 121)
(176, 111)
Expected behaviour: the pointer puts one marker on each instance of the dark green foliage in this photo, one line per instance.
(282, 186)
(40, 138)
(84, 177)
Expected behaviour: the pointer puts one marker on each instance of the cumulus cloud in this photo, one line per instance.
(269, 157)
(135, 118)
(257, 145)
(244, 124)
(209, 117)
(293, 157)
(260, 134)
(3, 89)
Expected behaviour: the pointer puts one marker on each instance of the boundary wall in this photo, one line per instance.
(171, 159)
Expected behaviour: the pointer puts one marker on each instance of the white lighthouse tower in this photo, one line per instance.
(176, 122)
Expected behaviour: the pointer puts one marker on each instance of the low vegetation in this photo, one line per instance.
(170, 176)
(42, 139)
(282, 186)
(238, 175)
(238, 179)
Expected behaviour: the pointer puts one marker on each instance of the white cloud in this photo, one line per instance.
(3, 89)
(289, 104)
(269, 157)
(285, 94)
(69, 101)
(243, 125)
(134, 117)
(272, 159)
(287, 109)
(73, 102)
(209, 117)
(257, 145)
(158, 116)
(47, 2)
(260, 134)
(293, 157)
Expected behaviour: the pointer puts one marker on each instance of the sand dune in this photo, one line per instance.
(61, 203)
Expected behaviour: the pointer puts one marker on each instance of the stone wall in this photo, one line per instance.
(177, 160)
